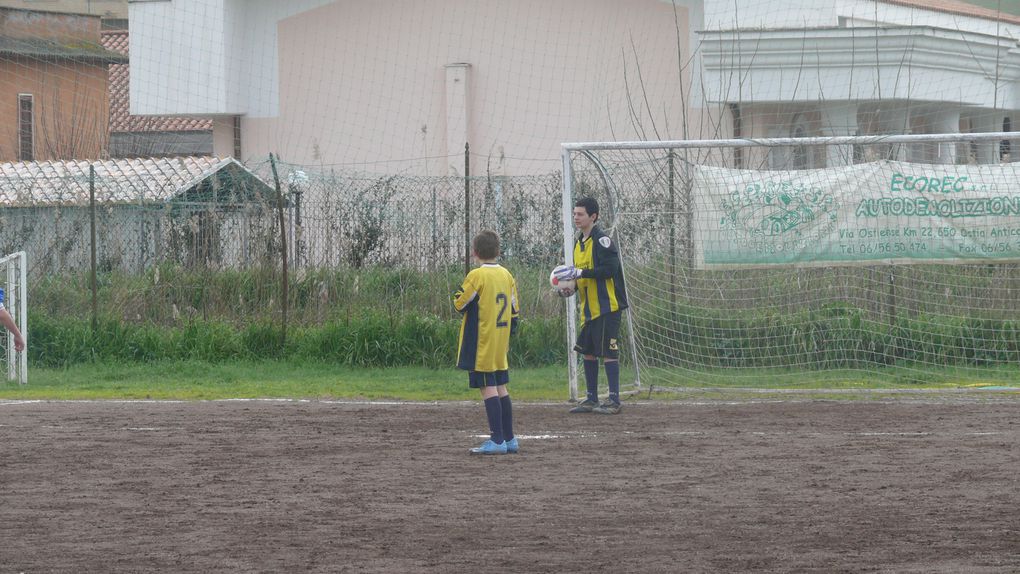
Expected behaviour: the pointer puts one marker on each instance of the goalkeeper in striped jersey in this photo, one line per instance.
(603, 297)
(488, 302)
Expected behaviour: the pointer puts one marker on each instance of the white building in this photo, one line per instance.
(401, 86)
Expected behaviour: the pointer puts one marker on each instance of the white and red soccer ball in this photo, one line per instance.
(562, 287)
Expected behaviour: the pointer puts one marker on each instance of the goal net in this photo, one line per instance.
(15, 300)
(811, 261)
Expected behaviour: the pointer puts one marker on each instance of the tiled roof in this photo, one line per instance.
(959, 8)
(117, 181)
(121, 119)
(78, 50)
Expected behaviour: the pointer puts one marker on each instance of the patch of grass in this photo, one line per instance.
(199, 380)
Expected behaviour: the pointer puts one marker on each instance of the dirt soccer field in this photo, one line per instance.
(924, 484)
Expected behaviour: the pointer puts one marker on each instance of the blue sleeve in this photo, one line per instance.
(607, 262)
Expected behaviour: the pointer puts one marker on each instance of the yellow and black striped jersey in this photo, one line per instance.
(600, 288)
(488, 301)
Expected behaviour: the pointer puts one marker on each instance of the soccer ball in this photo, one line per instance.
(562, 287)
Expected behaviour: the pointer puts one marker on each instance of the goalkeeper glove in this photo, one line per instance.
(569, 272)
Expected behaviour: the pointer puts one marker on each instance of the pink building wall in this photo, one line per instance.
(365, 84)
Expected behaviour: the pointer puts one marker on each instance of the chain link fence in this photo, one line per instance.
(170, 239)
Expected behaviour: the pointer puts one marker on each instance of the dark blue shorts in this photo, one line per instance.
(478, 379)
(600, 336)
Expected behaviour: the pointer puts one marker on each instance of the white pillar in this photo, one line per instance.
(457, 116)
(987, 121)
(839, 120)
(946, 123)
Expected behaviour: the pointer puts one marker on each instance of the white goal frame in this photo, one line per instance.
(16, 302)
(588, 149)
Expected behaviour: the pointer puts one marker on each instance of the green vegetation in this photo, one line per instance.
(398, 321)
(372, 317)
(369, 340)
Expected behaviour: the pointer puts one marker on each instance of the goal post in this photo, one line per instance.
(810, 261)
(15, 300)
(569, 235)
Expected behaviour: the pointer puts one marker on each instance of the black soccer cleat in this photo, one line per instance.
(585, 407)
(608, 408)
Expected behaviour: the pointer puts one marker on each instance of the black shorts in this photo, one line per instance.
(600, 336)
(478, 379)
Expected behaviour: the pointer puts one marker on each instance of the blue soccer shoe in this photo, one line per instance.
(512, 447)
(489, 447)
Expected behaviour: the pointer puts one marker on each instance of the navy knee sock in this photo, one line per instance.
(494, 413)
(591, 379)
(507, 414)
(613, 374)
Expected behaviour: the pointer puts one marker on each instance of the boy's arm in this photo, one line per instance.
(8, 321)
(607, 262)
(465, 295)
(607, 258)
(515, 321)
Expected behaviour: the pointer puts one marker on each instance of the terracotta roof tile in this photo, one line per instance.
(121, 119)
(959, 8)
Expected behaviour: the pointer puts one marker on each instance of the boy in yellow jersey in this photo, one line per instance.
(603, 297)
(488, 301)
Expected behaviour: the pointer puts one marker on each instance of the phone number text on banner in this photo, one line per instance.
(881, 212)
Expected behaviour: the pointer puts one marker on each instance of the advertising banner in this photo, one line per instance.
(865, 214)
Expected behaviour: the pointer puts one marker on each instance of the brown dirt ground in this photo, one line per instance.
(918, 485)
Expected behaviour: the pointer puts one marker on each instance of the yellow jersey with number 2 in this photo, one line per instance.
(488, 302)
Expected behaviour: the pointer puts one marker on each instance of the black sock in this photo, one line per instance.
(591, 379)
(508, 417)
(613, 374)
(495, 415)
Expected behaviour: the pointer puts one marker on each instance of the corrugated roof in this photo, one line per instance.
(121, 119)
(959, 8)
(144, 180)
(79, 50)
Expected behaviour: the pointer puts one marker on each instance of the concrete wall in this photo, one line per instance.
(371, 85)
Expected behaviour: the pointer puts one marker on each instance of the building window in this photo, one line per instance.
(801, 153)
(793, 156)
(738, 132)
(237, 138)
(1006, 146)
(26, 131)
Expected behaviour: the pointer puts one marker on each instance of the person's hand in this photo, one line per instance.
(568, 272)
(19, 343)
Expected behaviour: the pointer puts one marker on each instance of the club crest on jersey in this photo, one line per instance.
(605, 241)
(613, 346)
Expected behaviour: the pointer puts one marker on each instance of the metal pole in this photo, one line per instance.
(467, 209)
(568, 258)
(283, 249)
(23, 312)
(92, 249)
(672, 239)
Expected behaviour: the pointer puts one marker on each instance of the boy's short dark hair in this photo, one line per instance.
(589, 204)
(486, 244)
